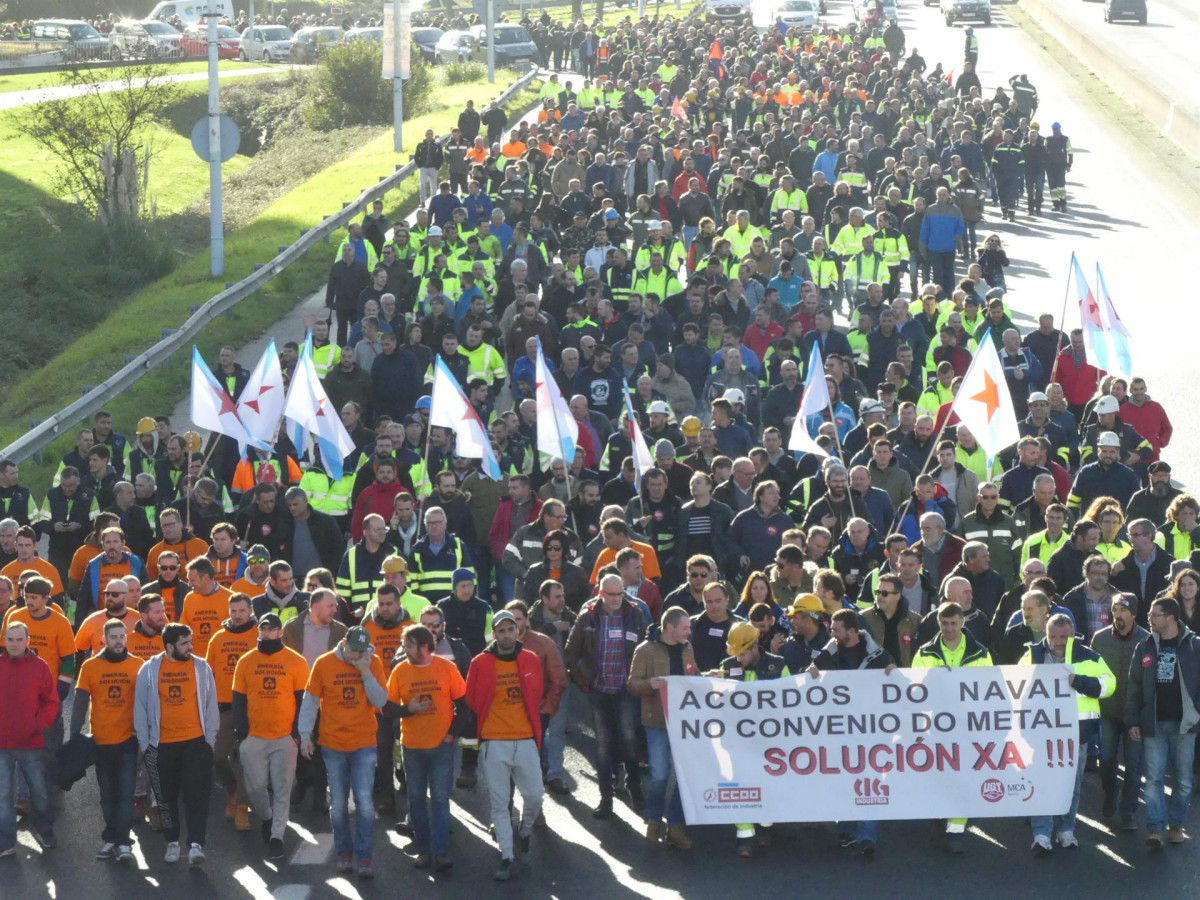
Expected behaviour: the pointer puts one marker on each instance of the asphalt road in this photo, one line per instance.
(14, 99)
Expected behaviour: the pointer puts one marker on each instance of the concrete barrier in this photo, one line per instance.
(1176, 121)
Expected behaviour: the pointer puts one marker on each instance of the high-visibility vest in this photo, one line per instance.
(793, 200)
(893, 245)
(429, 576)
(325, 358)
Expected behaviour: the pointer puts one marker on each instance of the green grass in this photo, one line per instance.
(135, 325)
(51, 79)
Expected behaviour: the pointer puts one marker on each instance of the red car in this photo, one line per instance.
(195, 41)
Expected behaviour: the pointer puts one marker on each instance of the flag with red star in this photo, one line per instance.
(451, 409)
(557, 430)
(308, 409)
(983, 402)
(261, 403)
(212, 408)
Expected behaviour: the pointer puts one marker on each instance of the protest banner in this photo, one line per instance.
(913, 744)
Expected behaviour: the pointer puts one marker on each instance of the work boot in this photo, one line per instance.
(677, 838)
(230, 806)
(654, 832)
(241, 817)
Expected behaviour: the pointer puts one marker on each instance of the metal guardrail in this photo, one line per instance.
(174, 339)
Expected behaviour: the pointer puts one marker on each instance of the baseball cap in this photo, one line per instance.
(1108, 439)
(741, 638)
(664, 448)
(659, 406)
(394, 565)
(734, 395)
(435, 231)
(1038, 397)
(503, 616)
(270, 620)
(580, 215)
(358, 639)
(805, 603)
(258, 553)
(690, 426)
(1159, 465)
(1107, 405)
(463, 574)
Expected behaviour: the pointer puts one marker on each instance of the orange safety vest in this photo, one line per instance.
(513, 150)
(246, 475)
(477, 155)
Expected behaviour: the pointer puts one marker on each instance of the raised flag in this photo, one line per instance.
(212, 408)
(983, 402)
(557, 430)
(1095, 337)
(451, 409)
(677, 109)
(308, 409)
(950, 78)
(262, 400)
(1118, 335)
(813, 402)
(643, 459)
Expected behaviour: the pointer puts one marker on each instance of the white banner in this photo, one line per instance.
(389, 43)
(915, 744)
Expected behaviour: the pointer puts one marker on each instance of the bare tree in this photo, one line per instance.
(98, 134)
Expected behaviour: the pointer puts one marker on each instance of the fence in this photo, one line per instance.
(43, 433)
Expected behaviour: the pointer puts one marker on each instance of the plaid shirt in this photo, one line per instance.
(610, 652)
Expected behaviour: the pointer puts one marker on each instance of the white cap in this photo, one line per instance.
(434, 231)
(733, 395)
(1108, 439)
(654, 225)
(1107, 405)
(659, 406)
(1038, 397)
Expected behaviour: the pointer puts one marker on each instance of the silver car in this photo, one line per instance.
(269, 43)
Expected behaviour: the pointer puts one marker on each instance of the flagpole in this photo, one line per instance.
(215, 439)
(833, 419)
(425, 464)
(1062, 319)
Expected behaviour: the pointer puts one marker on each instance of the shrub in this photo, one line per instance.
(347, 89)
(464, 71)
(264, 109)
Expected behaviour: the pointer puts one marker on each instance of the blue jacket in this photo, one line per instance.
(942, 228)
(826, 162)
(442, 207)
(477, 208)
(90, 589)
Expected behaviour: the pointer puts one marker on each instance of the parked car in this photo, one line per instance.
(309, 43)
(512, 43)
(1125, 9)
(195, 41)
(454, 46)
(191, 11)
(866, 12)
(425, 40)
(364, 34)
(731, 11)
(797, 13)
(270, 43)
(79, 39)
(955, 10)
(144, 40)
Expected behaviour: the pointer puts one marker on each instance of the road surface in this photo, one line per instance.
(14, 99)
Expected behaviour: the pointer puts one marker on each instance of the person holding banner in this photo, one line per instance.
(953, 646)
(1092, 680)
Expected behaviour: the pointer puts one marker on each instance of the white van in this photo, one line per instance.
(191, 11)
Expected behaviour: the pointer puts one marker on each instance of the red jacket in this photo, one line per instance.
(759, 341)
(28, 703)
(499, 534)
(376, 498)
(1078, 381)
(481, 686)
(1150, 421)
(951, 556)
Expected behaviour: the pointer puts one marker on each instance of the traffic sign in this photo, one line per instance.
(231, 139)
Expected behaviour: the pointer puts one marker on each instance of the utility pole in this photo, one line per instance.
(491, 40)
(216, 214)
(399, 34)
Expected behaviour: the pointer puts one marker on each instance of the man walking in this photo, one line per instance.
(176, 721)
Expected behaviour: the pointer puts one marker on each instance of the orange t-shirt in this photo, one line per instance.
(224, 651)
(111, 688)
(245, 586)
(80, 559)
(347, 717)
(190, 549)
(270, 682)
(513, 150)
(179, 710)
(90, 637)
(387, 641)
(204, 616)
(51, 635)
(441, 682)
(650, 567)
(507, 719)
(226, 568)
(141, 646)
(14, 569)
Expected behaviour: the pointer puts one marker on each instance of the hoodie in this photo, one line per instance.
(482, 685)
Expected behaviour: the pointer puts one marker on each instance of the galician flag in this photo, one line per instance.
(557, 430)
(309, 410)
(984, 404)
(451, 409)
(1118, 335)
(814, 401)
(643, 459)
(1095, 336)
(262, 400)
(212, 407)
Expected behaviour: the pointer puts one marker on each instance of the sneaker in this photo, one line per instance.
(108, 850)
(1042, 845)
(504, 872)
(677, 838)
(1128, 824)
(1067, 839)
(125, 854)
(442, 864)
(45, 839)
(365, 869)
(241, 818)
(1154, 840)
(196, 855)
(423, 861)
(172, 854)
(1176, 835)
(275, 848)
(265, 830)
(344, 864)
(866, 849)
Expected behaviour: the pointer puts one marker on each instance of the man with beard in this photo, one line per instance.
(170, 586)
(113, 562)
(1152, 502)
(90, 638)
(838, 506)
(236, 637)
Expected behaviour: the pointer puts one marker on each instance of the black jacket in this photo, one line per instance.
(1140, 700)
(345, 283)
(1158, 576)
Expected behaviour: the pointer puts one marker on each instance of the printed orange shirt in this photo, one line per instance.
(179, 711)
(224, 651)
(441, 682)
(204, 616)
(387, 641)
(347, 717)
(270, 682)
(90, 637)
(192, 548)
(507, 719)
(110, 686)
(142, 646)
(650, 567)
(51, 635)
(14, 569)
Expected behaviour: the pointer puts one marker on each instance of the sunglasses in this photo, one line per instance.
(168, 568)
(115, 593)
(257, 559)
(557, 547)
(697, 574)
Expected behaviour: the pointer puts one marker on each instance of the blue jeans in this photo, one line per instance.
(351, 770)
(1168, 746)
(554, 738)
(1045, 826)
(615, 720)
(658, 745)
(116, 768)
(503, 589)
(31, 764)
(689, 233)
(430, 775)
(860, 831)
(1115, 740)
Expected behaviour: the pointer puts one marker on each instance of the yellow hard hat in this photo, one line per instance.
(192, 441)
(741, 638)
(145, 425)
(806, 603)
